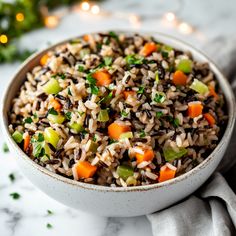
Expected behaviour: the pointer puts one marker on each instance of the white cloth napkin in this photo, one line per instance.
(212, 209)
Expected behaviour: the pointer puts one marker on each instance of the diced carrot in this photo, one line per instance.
(195, 109)
(211, 120)
(128, 93)
(147, 155)
(84, 169)
(44, 59)
(26, 142)
(115, 130)
(179, 78)
(212, 92)
(86, 37)
(103, 78)
(148, 48)
(56, 104)
(166, 173)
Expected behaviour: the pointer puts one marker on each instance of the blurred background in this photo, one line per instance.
(29, 25)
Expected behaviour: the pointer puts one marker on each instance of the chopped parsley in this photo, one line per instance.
(69, 92)
(164, 54)
(5, 148)
(12, 177)
(49, 226)
(110, 141)
(28, 120)
(68, 115)
(61, 75)
(141, 89)
(99, 46)
(142, 134)
(80, 113)
(124, 113)
(40, 137)
(38, 150)
(159, 114)
(49, 212)
(35, 116)
(15, 195)
(114, 35)
(52, 111)
(107, 61)
(173, 121)
(160, 97)
(134, 60)
(106, 98)
(92, 84)
(94, 138)
(80, 68)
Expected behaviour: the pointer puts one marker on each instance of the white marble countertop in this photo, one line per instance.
(28, 215)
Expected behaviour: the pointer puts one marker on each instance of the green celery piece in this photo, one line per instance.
(56, 119)
(51, 136)
(52, 87)
(103, 116)
(92, 146)
(185, 65)
(170, 154)
(125, 171)
(76, 127)
(17, 136)
(126, 135)
(199, 87)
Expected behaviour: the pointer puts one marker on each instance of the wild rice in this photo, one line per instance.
(69, 123)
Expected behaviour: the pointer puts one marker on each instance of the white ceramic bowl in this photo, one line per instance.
(118, 201)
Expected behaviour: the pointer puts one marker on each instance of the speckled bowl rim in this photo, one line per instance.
(231, 107)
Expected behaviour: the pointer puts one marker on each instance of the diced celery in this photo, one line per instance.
(131, 181)
(185, 65)
(170, 154)
(157, 77)
(199, 87)
(51, 136)
(52, 87)
(103, 116)
(92, 146)
(126, 135)
(56, 119)
(76, 127)
(44, 158)
(17, 136)
(125, 171)
(167, 48)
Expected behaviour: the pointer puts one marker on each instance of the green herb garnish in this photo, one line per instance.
(68, 115)
(61, 75)
(49, 212)
(159, 114)
(92, 84)
(114, 35)
(5, 148)
(142, 134)
(94, 138)
(69, 92)
(49, 226)
(80, 68)
(134, 60)
(11, 177)
(40, 137)
(124, 113)
(52, 111)
(28, 120)
(160, 97)
(15, 195)
(141, 89)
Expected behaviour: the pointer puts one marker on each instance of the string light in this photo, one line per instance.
(51, 21)
(3, 39)
(170, 16)
(85, 6)
(185, 28)
(20, 16)
(95, 9)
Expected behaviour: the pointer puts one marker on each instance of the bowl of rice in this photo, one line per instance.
(118, 123)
